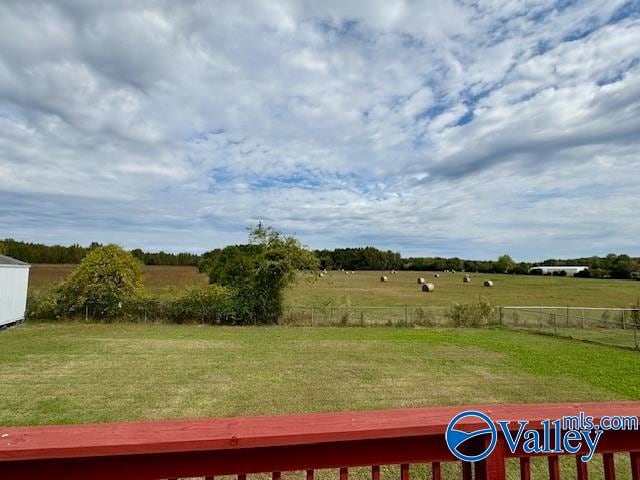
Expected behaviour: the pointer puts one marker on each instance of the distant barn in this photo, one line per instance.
(569, 270)
(14, 281)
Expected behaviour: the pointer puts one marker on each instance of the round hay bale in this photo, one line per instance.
(466, 279)
(384, 278)
(321, 275)
(420, 280)
(352, 272)
(428, 287)
(437, 275)
(488, 283)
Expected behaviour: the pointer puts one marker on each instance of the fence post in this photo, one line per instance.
(583, 318)
(406, 318)
(555, 326)
(86, 312)
(567, 316)
(623, 322)
(501, 315)
(635, 334)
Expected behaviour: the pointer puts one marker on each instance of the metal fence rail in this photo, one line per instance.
(611, 326)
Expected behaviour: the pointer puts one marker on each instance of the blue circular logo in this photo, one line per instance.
(456, 438)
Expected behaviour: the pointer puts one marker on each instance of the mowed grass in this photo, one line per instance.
(365, 289)
(78, 373)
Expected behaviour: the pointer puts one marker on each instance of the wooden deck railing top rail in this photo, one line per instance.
(166, 449)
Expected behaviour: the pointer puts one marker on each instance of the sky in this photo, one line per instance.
(459, 128)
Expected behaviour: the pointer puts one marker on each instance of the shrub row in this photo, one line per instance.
(210, 304)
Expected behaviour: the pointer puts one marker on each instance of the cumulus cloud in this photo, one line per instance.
(452, 128)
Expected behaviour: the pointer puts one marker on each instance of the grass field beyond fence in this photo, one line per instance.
(364, 288)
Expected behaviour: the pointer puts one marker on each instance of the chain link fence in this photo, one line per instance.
(609, 326)
(349, 315)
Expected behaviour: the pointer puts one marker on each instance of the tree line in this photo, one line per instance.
(360, 258)
(40, 253)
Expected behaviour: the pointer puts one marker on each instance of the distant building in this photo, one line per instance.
(14, 280)
(569, 270)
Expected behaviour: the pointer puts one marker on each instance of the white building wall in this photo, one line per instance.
(571, 270)
(14, 281)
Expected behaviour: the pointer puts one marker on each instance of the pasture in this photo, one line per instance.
(363, 288)
(157, 279)
(72, 372)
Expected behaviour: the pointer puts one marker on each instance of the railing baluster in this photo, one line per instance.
(404, 471)
(436, 472)
(609, 466)
(344, 473)
(635, 465)
(492, 467)
(525, 468)
(276, 475)
(375, 472)
(554, 468)
(581, 469)
(310, 474)
(466, 471)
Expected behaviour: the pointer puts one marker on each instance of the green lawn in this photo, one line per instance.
(71, 373)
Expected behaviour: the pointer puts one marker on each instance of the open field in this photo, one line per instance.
(156, 278)
(364, 288)
(70, 373)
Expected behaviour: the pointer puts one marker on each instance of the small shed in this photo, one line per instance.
(14, 281)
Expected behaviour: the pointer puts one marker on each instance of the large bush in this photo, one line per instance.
(105, 279)
(207, 304)
(259, 272)
(471, 314)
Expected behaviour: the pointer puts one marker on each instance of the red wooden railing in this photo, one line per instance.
(241, 446)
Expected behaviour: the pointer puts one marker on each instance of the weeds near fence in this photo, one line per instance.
(471, 314)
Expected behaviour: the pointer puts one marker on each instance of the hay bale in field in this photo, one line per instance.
(488, 283)
(321, 274)
(384, 278)
(466, 279)
(428, 287)
(437, 275)
(420, 280)
(352, 272)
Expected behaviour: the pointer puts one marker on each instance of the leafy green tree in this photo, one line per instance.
(623, 266)
(106, 278)
(504, 264)
(260, 271)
